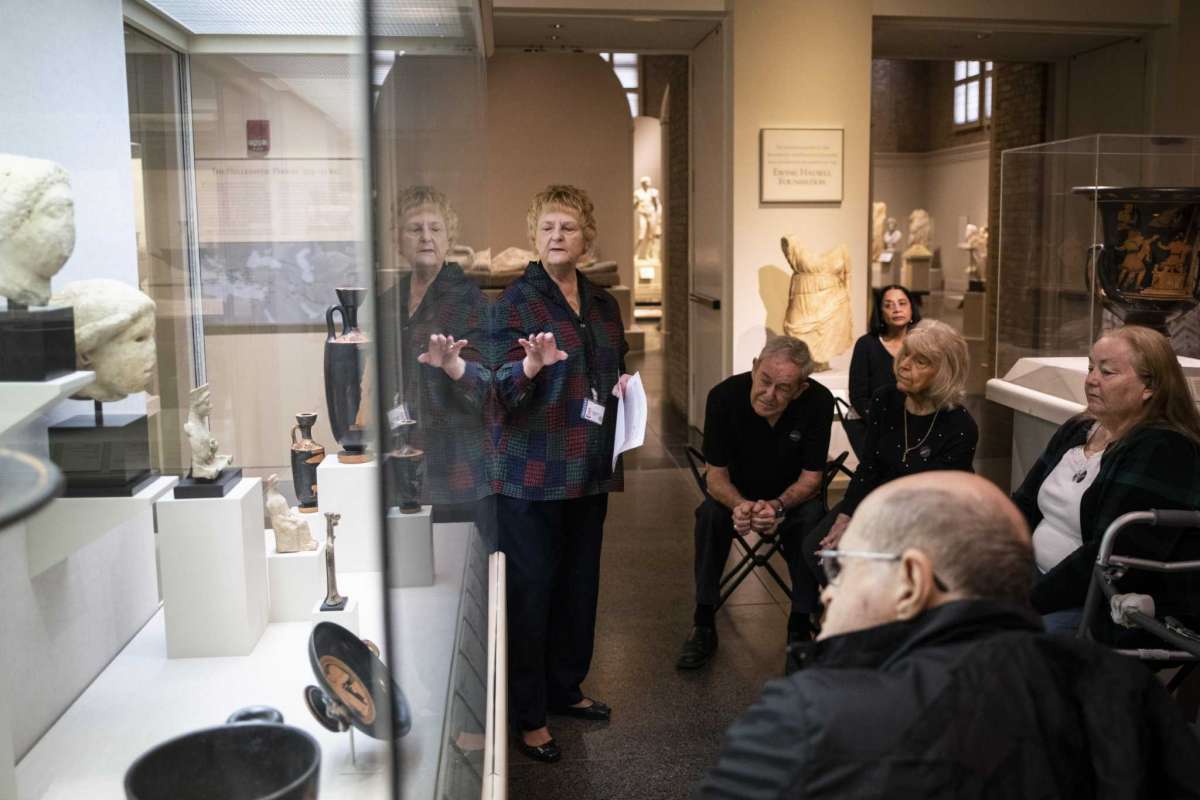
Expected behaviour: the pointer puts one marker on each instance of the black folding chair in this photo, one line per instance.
(855, 428)
(1181, 645)
(759, 552)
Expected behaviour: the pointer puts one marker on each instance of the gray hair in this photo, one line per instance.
(979, 545)
(791, 348)
(947, 350)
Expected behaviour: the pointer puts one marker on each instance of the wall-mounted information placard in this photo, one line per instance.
(800, 165)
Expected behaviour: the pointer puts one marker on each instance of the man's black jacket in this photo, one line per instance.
(968, 700)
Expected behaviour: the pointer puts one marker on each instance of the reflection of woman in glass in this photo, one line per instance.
(556, 423)
(442, 317)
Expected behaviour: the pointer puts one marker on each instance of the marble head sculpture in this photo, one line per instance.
(37, 227)
(114, 336)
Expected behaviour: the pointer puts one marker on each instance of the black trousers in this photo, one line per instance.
(714, 535)
(552, 552)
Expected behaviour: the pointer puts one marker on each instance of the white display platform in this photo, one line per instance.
(8, 774)
(352, 490)
(837, 381)
(214, 572)
(410, 548)
(1045, 392)
(21, 401)
(295, 579)
(347, 617)
(69, 523)
(142, 699)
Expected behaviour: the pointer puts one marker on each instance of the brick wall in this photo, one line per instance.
(659, 72)
(1019, 104)
(912, 107)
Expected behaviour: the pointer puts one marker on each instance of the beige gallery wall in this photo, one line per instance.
(559, 118)
(797, 64)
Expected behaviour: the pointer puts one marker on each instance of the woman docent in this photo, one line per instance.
(562, 348)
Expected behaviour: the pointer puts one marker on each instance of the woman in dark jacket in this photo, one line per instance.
(1135, 448)
(441, 375)
(915, 426)
(554, 446)
(872, 366)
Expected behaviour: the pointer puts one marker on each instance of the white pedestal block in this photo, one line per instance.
(352, 490)
(295, 579)
(915, 274)
(347, 617)
(214, 572)
(972, 326)
(410, 548)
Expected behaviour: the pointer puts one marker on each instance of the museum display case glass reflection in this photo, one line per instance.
(1095, 232)
(220, 490)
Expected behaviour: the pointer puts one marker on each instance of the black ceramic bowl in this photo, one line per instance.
(247, 761)
(355, 686)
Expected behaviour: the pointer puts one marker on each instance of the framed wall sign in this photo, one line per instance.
(800, 165)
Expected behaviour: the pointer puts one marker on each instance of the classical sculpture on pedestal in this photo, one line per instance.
(207, 463)
(37, 227)
(878, 224)
(114, 336)
(918, 234)
(291, 530)
(648, 209)
(333, 601)
(975, 242)
(818, 309)
(891, 235)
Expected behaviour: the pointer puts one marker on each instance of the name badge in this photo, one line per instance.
(593, 412)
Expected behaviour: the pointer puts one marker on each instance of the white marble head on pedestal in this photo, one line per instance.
(114, 336)
(37, 227)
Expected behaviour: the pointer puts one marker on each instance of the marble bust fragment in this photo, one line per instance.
(114, 336)
(292, 533)
(37, 227)
(918, 234)
(891, 235)
(878, 224)
(207, 463)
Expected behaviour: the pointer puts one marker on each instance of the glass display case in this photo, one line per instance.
(220, 485)
(1095, 232)
(1054, 291)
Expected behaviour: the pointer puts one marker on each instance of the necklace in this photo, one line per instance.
(907, 449)
(1082, 473)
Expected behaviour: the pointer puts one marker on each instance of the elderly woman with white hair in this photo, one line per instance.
(915, 426)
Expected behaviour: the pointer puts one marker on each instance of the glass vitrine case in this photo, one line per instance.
(238, 556)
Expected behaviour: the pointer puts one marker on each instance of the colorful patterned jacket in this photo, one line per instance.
(450, 414)
(545, 450)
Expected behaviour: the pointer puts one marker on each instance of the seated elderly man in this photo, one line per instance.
(766, 440)
(932, 676)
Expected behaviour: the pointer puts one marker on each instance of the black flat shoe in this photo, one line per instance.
(698, 649)
(596, 712)
(547, 753)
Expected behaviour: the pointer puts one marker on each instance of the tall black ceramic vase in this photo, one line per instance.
(345, 370)
(307, 455)
(1146, 267)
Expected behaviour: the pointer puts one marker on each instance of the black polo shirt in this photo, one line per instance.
(763, 460)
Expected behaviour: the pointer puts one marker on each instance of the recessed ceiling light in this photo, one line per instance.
(984, 35)
(557, 26)
(554, 38)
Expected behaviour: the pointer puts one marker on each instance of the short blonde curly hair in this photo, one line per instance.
(946, 349)
(563, 197)
(413, 198)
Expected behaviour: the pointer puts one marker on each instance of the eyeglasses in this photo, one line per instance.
(832, 565)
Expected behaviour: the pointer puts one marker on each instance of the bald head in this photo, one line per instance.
(975, 537)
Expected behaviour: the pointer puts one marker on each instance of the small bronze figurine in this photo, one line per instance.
(333, 600)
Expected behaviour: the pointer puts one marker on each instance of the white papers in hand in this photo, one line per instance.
(631, 418)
